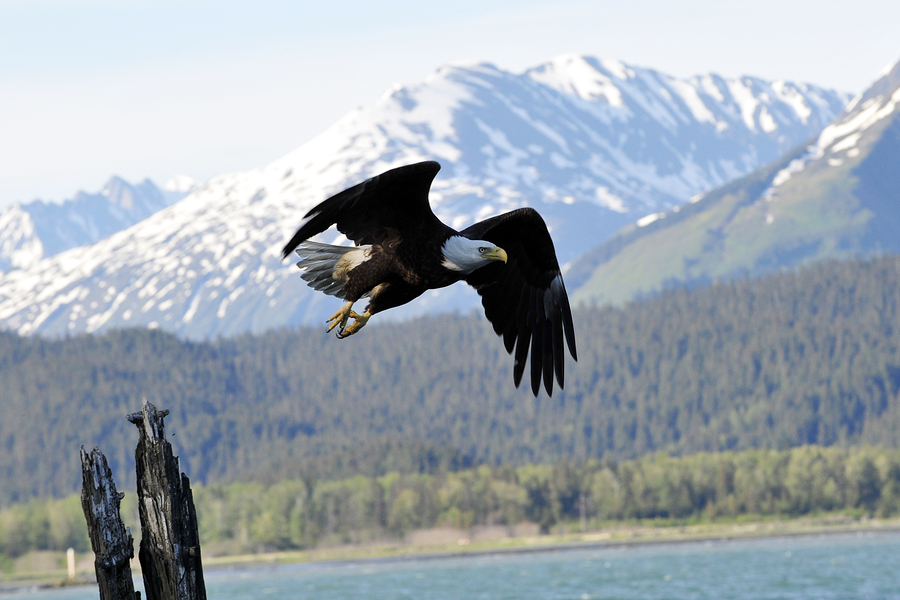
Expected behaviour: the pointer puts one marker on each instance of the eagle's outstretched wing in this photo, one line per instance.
(396, 200)
(525, 299)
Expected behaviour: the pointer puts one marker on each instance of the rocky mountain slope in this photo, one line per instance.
(36, 230)
(591, 144)
(836, 197)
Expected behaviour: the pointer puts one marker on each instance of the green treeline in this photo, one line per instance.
(241, 517)
(43, 525)
(800, 481)
(792, 359)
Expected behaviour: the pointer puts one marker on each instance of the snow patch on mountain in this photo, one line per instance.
(19, 245)
(841, 139)
(866, 115)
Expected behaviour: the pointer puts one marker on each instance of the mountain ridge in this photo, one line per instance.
(837, 196)
(209, 264)
(39, 229)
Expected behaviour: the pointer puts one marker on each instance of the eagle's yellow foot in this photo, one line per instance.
(359, 322)
(340, 317)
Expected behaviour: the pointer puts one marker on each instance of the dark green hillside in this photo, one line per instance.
(791, 359)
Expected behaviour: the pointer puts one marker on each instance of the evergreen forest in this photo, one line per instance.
(793, 359)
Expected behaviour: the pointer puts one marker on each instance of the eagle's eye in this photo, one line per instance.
(482, 250)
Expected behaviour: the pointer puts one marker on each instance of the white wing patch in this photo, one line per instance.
(326, 268)
(349, 261)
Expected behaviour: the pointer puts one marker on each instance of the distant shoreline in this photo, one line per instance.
(613, 537)
(628, 536)
(573, 546)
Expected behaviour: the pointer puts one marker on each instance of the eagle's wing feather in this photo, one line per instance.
(525, 299)
(369, 211)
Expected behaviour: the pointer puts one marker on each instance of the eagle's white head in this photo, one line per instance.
(464, 255)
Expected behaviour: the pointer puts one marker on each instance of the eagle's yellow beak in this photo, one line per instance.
(495, 253)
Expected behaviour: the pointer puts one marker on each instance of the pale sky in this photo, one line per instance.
(92, 88)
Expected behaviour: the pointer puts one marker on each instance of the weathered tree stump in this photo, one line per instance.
(112, 543)
(170, 543)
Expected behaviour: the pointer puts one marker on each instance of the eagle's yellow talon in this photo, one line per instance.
(359, 321)
(341, 317)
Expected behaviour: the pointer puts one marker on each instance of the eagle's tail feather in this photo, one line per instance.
(319, 263)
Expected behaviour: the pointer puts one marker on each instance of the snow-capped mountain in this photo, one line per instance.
(590, 144)
(36, 230)
(835, 198)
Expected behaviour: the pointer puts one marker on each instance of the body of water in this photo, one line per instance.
(863, 566)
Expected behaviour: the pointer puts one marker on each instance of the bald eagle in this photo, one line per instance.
(402, 249)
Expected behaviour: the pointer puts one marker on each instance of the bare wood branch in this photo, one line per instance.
(112, 542)
(170, 544)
